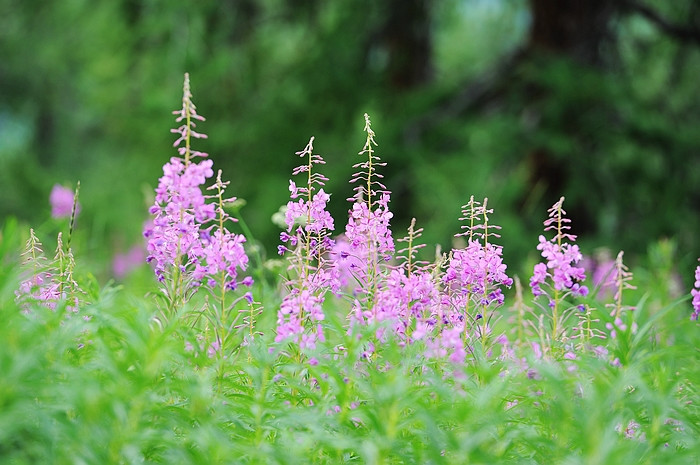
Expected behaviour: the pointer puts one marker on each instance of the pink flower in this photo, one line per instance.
(696, 295)
(61, 200)
(561, 257)
(476, 272)
(123, 263)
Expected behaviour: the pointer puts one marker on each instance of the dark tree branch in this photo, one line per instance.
(684, 33)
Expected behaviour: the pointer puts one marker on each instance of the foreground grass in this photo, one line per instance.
(117, 388)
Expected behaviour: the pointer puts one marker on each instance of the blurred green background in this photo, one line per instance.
(521, 101)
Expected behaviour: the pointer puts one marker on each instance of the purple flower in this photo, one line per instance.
(449, 344)
(404, 299)
(175, 236)
(696, 295)
(308, 239)
(561, 257)
(603, 273)
(221, 253)
(296, 307)
(61, 200)
(312, 214)
(368, 231)
(47, 284)
(122, 264)
(476, 272)
(187, 232)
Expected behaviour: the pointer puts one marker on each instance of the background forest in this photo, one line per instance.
(518, 101)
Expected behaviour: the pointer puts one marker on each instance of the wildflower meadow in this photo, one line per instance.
(356, 343)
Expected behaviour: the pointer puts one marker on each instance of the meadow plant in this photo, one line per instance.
(558, 278)
(618, 311)
(49, 283)
(189, 243)
(307, 239)
(418, 289)
(40, 283)
(696, 295)
(369, 234)
(475, 274)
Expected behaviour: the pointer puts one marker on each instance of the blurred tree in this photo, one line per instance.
(521, 101)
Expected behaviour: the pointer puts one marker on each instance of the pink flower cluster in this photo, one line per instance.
(404, 299)
(560, 267)
(561, 257)
(41, 287)
(180, 209)
(182, 234)
(48, 284)
(368, 231)
(307, 239)
(61, 200)
(696, 295)
(476, 272)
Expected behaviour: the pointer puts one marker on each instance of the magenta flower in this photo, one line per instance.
(307, 237)
(561, 257)
(476, 272)
(222, 252)
(560, 267)
(294, 310)
(61, 200)
(405, 299)
(174, 239)
(123, 263)
(47, 284)
(602, 270)
(187, 231)
(696, 295)
(369, 232)
(449, 344)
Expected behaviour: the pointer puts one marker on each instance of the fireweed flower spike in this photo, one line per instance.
(368, 230)
(413, 289)
(407, 295)
(696, 295)
(559, 272)
(48, 283)
(39, 285)
(618, 311)
(474, 274)
(188, 243)
(307, 240)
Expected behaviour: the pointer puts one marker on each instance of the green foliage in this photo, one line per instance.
(112, 386)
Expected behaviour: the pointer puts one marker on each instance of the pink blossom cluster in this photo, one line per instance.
(47, 284)
(448, 345)
(561, 257)
(368, 231)
(174, 238)
(297, 306)
(560, 268)
(307, 240)
(406, 300)
(41, 287)
(62, 200)
(476, 272)
(221, 252)
(187, 231)
(696, 295)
